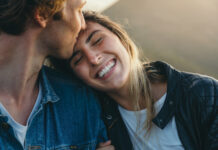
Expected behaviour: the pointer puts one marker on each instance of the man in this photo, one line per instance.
(41, 108)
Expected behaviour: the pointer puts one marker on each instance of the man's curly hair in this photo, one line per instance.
(14, 14)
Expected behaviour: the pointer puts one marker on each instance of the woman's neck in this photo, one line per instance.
(124, 98)
(158, 90)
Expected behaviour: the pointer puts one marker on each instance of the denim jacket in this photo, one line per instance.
(69, 117)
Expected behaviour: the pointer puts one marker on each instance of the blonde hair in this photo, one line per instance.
(138, 81)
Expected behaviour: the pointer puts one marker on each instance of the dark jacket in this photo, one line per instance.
(191, 98)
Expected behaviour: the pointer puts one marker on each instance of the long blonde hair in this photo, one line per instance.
(139, 85)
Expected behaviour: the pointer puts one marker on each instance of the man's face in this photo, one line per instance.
(61, 35)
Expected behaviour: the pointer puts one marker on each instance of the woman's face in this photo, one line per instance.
(100, 59)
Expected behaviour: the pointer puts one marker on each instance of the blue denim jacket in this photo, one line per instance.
(69, 117)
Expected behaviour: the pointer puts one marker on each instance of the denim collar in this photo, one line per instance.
(48, 92)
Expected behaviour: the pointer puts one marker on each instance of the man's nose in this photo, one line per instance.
(83, 23)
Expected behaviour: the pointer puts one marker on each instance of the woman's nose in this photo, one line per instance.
(95, 59)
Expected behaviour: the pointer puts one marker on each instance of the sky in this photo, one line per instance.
(183, 33)
(180, 32)
(99, 5)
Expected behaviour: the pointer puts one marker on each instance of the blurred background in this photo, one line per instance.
(183, 33)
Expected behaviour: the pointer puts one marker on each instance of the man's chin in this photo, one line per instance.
(65, 55)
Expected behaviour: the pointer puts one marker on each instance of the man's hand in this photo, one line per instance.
(105, 146)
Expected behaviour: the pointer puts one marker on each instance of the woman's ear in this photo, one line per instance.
(40, 20)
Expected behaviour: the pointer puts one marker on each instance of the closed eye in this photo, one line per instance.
(76, 57)
(78, 60)
(97, 41)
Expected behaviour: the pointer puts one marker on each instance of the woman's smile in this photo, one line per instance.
(106, 70)
(100, 59)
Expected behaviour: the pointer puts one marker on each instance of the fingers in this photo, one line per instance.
(110, 147)
(103, 144)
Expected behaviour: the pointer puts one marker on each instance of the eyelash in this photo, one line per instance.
(97, 41)
(77, 61)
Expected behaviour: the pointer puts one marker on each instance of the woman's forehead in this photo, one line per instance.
(90, 27)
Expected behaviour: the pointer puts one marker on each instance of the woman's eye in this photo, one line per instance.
(97, 41)
(78, 60)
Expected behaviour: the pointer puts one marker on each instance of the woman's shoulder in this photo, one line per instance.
(201, 85)
(201, 94)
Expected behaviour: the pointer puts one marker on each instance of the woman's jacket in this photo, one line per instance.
(191, 98)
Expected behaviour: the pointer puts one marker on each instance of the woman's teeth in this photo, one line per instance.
(106, 69)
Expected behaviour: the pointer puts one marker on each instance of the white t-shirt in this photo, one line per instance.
(158, 139)
(19, 129)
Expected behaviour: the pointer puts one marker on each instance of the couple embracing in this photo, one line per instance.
(100, 95)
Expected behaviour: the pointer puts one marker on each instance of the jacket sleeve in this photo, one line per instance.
(102, 136)
(208, 91)
(212, 136)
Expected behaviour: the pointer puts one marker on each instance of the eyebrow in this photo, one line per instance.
(88, 40)
(91, 35)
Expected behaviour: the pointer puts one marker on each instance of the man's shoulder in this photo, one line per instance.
(59, 77)
(69, 88)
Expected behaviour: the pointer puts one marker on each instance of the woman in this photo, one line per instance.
(145, 105)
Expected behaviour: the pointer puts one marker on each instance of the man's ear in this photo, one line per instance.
(41, 20)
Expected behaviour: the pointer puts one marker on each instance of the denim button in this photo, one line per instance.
(73, 147)
(109, 117)
(34, 147)
(171, 103)
(5, 125)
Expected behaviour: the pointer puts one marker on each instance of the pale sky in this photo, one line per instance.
(99, 5)
(182, 32)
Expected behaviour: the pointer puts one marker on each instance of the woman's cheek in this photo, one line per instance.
(82, 71)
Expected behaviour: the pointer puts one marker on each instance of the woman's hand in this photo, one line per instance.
(105, 146)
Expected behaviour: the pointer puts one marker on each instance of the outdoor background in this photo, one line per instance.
(183, 33)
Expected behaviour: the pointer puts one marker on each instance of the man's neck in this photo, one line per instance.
(20, 63)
